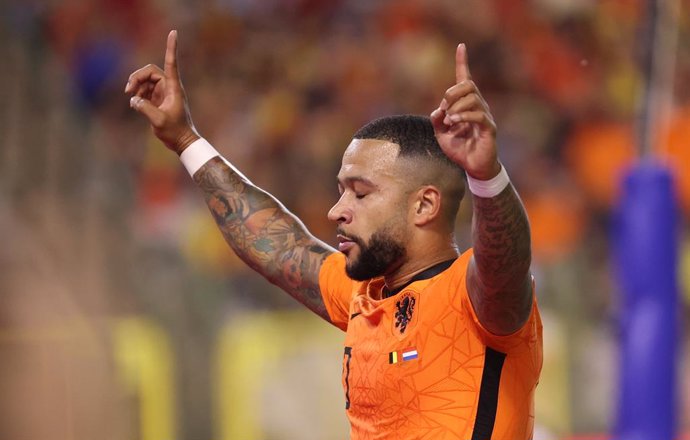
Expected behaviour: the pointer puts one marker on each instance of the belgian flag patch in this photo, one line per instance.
(402, 355)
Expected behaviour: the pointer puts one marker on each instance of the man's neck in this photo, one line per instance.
(415, 265)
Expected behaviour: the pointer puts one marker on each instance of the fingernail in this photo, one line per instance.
(134, 101)
(455, 118)
(447, 121)
(444, 105)
(126, 86)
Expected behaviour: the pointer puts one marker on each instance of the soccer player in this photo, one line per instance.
(439, 344)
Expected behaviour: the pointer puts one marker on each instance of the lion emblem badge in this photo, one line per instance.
(405, 308)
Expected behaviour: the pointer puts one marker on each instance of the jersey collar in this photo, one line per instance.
(423, 275)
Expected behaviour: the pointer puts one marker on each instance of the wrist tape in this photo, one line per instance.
(197, 154)
(489, 188)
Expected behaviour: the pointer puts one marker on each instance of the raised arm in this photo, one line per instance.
(262, 232)
(498, 277)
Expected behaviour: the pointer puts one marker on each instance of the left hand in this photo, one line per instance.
(158, 95)
(464, 126)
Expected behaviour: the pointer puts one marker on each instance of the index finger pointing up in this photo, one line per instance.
(462, 69)
(170, 65)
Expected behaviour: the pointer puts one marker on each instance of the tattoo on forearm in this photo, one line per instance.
(502, 257)
(264, 234)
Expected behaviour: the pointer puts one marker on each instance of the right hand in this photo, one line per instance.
(464, 126)
(158, 94)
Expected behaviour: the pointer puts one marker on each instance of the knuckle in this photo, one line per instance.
(466, 84)
(157, 120)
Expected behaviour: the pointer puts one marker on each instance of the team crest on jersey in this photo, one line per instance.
(405, 313)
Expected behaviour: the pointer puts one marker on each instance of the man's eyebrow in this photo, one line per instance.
(355, 179)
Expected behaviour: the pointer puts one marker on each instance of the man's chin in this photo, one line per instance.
(357, 273)
(349, 266)
(356, 277)
(352, 270)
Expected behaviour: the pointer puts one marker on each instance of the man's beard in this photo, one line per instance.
(376, 257)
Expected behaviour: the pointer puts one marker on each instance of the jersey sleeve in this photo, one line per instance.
(336, 289)
(522, 339)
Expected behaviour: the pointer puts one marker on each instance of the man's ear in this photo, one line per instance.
(427, 205)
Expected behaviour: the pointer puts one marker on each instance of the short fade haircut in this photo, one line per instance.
(415, 136)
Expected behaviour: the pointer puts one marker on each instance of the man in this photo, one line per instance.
(437, 346)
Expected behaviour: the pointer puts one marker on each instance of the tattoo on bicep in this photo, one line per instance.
(502, 257)
(503, 312)
(501, 237)
(265, 236)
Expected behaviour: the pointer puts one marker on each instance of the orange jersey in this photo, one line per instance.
(419, 365)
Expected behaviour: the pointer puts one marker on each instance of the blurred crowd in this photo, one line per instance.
(279, 87)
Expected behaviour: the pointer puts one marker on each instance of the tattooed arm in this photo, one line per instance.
(261, 231)
(498, 277)
(264, 234)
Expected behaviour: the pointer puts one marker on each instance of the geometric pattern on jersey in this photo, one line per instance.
(435, 393)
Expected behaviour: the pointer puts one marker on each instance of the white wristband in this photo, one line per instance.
(489, 188)
(197, 154)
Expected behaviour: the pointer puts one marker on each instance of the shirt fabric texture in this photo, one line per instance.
(419, 365)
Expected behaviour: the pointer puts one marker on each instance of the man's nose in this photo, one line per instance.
(339, 213)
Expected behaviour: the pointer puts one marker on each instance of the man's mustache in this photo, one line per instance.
(355, 238)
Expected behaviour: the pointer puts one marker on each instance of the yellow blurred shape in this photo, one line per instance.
(685, 270)
(144, 359)
(552, 400)
(252, 351)
(206, 249)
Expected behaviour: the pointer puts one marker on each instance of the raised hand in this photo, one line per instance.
(158, 94)
(464, 126)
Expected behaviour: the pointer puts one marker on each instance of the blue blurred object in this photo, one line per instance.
(98, 67)
(646, 246)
